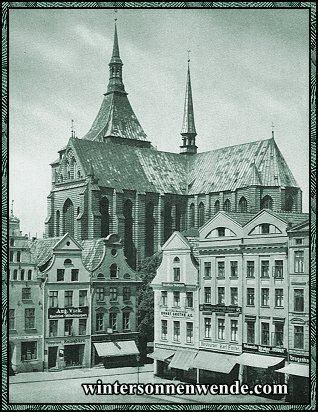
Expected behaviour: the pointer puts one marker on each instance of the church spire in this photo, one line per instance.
(188, 131)
(115, 68)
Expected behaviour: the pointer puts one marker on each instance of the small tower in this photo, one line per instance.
(188, 131)
(115, 69)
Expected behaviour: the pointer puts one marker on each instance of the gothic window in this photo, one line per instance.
(68, 170)
(104, 211)
(57, 223)
(216, 206)
(201, 214)
(192, 215)
(150, 229)
(167, 221)
(73, 168)
(178, 217)
(243, 205)
(128, 232)
(267, 202)
(289, 203)
(227, 206)
(68, 217)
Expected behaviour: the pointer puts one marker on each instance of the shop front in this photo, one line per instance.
(67, 353)
(162, 358)
(116, 354)
(25, 353)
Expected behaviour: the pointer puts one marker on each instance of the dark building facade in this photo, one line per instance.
(114, 181)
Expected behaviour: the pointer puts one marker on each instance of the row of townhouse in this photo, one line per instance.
(70, 304)
(232, 302)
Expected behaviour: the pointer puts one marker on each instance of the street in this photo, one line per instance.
(65, 387)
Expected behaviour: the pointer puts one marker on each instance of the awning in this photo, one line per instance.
(297, 369)
(161, 354)
(125, 347)
(258, 361)
(183, 359)
(213, 361)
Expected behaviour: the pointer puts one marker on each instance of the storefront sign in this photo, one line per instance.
(220, 308)
(269, 350)
(61, 313)
(298, 358)
(177, 314)
(174, 285)
(26, 337)
(75, 340)
(227, 347)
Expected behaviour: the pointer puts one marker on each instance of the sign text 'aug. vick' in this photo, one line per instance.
(61, 313)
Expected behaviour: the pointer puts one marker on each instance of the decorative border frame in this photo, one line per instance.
(308, 5)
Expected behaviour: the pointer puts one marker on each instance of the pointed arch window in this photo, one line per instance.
(68, 170)
(150, 229)
(289, 203)
(167, 229)
(178, 216)
(201, 214)
(243, 204)
(216, 206)
(58, 218)
(227, 205)
(105, 218)
(128, 232)
(267, 202)
(68, 217)
(192, 215)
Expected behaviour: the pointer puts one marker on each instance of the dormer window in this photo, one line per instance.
(265, 228)
(113, 271)
(221, 231)
(100, 276)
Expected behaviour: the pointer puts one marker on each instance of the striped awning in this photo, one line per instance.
(183, 359)
(119, 348)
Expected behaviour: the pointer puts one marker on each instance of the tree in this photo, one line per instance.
(146, 271)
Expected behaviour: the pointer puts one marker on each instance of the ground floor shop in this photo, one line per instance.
(25, 354)
(67, 353)
(115, 354)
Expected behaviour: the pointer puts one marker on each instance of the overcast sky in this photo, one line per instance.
(249, 68)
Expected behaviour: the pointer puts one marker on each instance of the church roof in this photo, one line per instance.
(148, 170)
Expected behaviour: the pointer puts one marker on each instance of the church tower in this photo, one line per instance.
(188, 131)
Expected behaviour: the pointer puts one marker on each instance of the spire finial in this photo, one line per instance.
(72, 129)
(188, 51)
(273, 130)
(115, 15)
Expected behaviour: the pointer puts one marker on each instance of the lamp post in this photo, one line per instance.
(138, 359)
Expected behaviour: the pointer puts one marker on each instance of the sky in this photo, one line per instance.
(249, 70)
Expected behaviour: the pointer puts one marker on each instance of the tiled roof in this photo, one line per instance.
(116, 118)
(41, 249)
(241, 218)
(291, 218)
(92, 252)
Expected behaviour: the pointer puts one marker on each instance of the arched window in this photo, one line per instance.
(68, 170)
(227, 206)
(178, 217)
(167, 225)
(113, 271)
(216, 206)
(73, 169)
(176, 260)
(18, 256)
(15, 274)
(68, 217)
(192, 215)
(128, 233)
(267, 202)
(201, 214)
(100, 276)
(67, 262)
(243, 205)
(22, 274)
(30, 274)
(149, 229)
(104, 211)
(57, 223)
(289, 203)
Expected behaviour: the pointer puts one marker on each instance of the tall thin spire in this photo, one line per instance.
(115, 68)
(188, 131)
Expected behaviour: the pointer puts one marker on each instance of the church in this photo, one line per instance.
(113, 180)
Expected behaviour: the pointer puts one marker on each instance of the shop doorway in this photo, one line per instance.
(73, 355)
(52, 356)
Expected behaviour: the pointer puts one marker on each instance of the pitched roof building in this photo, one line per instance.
(114, 181)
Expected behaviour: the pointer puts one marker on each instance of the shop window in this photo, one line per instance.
(264, 333)
(68, 327)
(250, 326)
(74, 275)
(164, 298)
(234, 330)
(99, 321)
(113, 294)
(250, 298)
(207, 295)
(11, 319)
(113, 271)
(164, 329)
(265, 269)
(189, 299)
(176, 299)
(100, 294)
(53, 299)
(68, 298)
(53, 327)
(221, 295)
(82, 323)
(298, 337)
(176, 331)
(60, 275)
(234, 269)
(207, 270)
(126, 321)
(265, 297)
(207, 328)
(299, 261)
(28, 351)
(299, 301)
(29, 318)
(279, 298)
(278, 335)
(221, 269)
(126, 293)
(234, 296)
(250, 269)
(82, 298)
(189, 332)
(26, 293)
(221, 329)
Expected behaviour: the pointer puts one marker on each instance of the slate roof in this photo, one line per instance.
(93, 251)
(291, 218)
(148, 170)
(42, 249)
